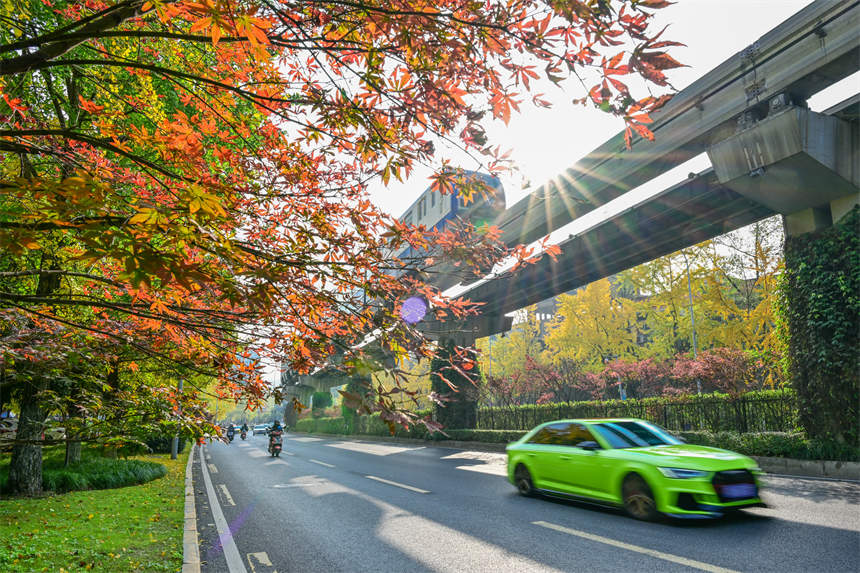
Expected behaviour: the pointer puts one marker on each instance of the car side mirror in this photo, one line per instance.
(589, 445)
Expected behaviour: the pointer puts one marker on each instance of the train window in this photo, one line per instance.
(422, 207)
(432, 199)
(407, 219)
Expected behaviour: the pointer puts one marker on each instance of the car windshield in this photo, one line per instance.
(634, 434)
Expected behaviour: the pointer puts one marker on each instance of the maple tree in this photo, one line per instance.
(185, 182)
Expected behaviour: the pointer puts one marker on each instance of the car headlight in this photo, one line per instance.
(681, 473)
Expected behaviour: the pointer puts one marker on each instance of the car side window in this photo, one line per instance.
(581, 434)
(563, 434)
(550, 435)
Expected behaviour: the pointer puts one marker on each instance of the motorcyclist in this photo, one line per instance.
(244, 427)
(275, 432)
(231, 431)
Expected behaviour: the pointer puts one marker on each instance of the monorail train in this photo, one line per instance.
(435, 210)
(432, 208)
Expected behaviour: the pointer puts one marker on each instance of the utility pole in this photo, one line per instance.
(174, 447)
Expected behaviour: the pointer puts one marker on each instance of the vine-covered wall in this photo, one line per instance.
(821, 308)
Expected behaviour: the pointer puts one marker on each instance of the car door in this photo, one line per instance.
(586, 471)
(543, 456)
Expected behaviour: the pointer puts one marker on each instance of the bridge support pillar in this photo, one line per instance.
(455, 373)
(822, 312)
(456, 364)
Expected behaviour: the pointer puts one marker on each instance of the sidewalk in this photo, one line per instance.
(826, 469)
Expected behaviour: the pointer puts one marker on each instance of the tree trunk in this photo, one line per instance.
(73, 452)
(25, 468)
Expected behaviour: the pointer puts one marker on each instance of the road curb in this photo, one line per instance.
(810, 468)
(190, 550)
(849, 471)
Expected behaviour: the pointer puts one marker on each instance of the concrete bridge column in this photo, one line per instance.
(457, 367)
(806, 166)
(821, 307)
(456, 363)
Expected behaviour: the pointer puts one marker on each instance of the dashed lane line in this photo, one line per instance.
(231, 552)
(629, 547)
(227, 497)
(262, 559)
(321, 463)
(396, 484)
(212, 468)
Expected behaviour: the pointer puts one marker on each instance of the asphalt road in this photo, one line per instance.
(336, 505)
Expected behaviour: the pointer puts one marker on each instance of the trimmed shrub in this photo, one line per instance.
(93, 472)
(486, 436)
(775, 444)
(768, 410)
(162, 444)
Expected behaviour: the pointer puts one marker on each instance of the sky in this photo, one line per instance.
(545, 142)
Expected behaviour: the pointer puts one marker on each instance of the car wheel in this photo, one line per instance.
(523, 481)
(638, 498)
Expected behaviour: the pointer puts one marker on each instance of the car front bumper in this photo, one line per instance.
(698, 498)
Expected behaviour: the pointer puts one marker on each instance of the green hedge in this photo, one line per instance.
(371, 425)
(770, 410)
(93, 472)
(775, 444)
(486, 436)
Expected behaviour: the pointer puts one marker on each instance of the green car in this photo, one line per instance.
(632, 464)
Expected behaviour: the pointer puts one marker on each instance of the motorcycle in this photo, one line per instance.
(244, 434)
(230, 434)
(275, 441)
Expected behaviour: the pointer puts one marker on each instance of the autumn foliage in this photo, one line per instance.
(184, 183)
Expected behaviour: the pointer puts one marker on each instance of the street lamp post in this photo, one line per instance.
(174, 447)
(692, 320)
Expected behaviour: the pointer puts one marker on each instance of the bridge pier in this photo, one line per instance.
(806, 166)
(822, 310)
(456, 364)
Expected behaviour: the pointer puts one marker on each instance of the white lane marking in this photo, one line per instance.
(289, 485)
(212, 468)
(231, 552)
(321, 463)
(394, 483)
(276, 463)
(485, 469)
(644, 550)
(369, 448)
(227, 496)
(261, 558)
(288, 453)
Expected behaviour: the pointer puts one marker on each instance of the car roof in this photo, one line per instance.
(595, 420)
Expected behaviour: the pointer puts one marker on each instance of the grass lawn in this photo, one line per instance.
(137, 528)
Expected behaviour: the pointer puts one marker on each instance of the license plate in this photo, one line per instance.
(739, 490)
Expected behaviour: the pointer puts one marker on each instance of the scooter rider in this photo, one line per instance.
(231, 431)
(275, 437)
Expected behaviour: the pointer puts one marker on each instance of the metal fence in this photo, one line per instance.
(774, 411)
